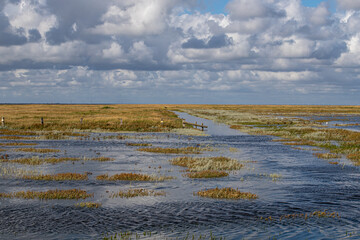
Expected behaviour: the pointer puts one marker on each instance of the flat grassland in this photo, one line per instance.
(140, 118)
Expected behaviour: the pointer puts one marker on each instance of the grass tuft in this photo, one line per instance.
(226, 193)
(185, 150)
(327, 155)
(139, 192)
(131, 177)
(88, 205)
(37, 150)
(207, 174)
(139, 144)
(207, 163)
(58, 177)
(39, 161)
(50, 194)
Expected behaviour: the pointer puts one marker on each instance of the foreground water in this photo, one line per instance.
(307, 184)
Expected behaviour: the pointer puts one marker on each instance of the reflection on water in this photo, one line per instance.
(307, 184)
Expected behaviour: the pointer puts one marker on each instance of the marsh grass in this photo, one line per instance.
(61, 135)
(139, 144)
(48, 195)
(139, 118)
(14, 172)
(185, 150)
(138, 192)
(58, 177)
(88, 205)
(37, 150)
(18, 144)
(207, 174)
(327, 155)
(226, 193)
(39, 161)
(5, 131)
(207, 163)
(17, 138)
(132, 177)
(305, 216)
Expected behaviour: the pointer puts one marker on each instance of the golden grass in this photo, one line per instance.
(140, 118)
(138, 192)
(139, 144)
(17, 138)
(58, 177)
(185, 150)
(88, 205)
(39, 161)
(132, 177)
(318, 214)
(37, 150)
(18, 144)
(207, 174)
(50, 194)
(207, 163)
(5, 131)
(226, 193)
(327, 155)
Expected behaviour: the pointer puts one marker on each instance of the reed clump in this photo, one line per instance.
(185, 150)
(52, 160)
(132, 177)
(207, 163)
(327, 155)
(58, 177)
(37, 150)
(226, 193)
(88, 205)
(139, 144)
(50, 194)
(18, 144)
(207, 174)
(138, 192)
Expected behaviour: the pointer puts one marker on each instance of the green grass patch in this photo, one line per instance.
(131, 177)
(58, 177)
(207, 163)
(226, 193)
(138, 192)
(48, 195)
(88, 205)
(37, 150)
(39, 161)
(185, 150)
(207, 174)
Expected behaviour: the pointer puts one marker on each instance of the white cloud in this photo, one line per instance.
(349, 4)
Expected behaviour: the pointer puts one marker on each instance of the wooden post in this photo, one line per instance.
(81, 120)
(202, 126)
(42, 121)
(196, 125)
(3, 121)
(121, 122)
(162, 122)
(183, 123)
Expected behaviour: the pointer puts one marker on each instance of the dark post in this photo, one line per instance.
(196, 125)
(202, 127)
(42, 121)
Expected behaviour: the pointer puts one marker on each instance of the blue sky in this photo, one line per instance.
(218, 7)
(180, 51)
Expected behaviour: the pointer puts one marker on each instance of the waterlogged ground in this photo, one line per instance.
(306, 184)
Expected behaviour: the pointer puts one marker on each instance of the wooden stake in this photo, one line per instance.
(42, 121)
(3, 121)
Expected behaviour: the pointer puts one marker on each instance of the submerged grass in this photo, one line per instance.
(207, 174)
(50, 194)
(39, 161)
(139, 144)
(226, 193)
(305, 216)
(37, 150)
(185, 150)
(138, 192)
(327, 155)
(207, 163)
(132, 177)
(88, 205)
(57, 177)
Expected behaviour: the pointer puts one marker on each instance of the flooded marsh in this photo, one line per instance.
(99, 186)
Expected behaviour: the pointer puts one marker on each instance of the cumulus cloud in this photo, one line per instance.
(165, 45)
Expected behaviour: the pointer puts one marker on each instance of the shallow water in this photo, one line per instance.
(307, 184)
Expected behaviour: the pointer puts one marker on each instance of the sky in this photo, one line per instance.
(180, 51)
